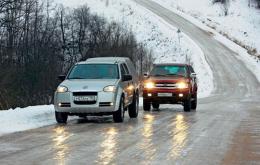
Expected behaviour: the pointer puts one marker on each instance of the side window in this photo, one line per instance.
(126, 69)
(191, 69)
(123, 72)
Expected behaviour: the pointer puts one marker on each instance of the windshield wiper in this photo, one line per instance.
(76, 78)
(168, 75)
(175, 75)
(159, 75)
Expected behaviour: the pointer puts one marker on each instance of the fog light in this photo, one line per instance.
(149, 95)
(111, 104)
(60, 104)
(180, 95)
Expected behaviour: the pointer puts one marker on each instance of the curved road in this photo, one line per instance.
(224, 130)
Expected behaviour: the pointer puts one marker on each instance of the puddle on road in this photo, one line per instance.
(175, 138)
(109, 146)
(146, 144)
(148, 118)
(60, 136)
(179, 136)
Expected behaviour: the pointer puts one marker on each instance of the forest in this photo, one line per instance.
(40, 40)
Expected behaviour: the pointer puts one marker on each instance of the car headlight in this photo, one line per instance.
(62, 89)
(182, 85)
(149, 85)
(110, 88)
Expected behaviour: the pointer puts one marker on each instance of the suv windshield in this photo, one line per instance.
(169, 70)
(94, 71)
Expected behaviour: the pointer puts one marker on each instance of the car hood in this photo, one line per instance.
(88, 85)
(164, 79)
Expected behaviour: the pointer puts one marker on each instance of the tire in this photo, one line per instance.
(187, 105)
(134, 107)
(119, 115)
(156, 105)
(146, 105)
(194, 103)
(61, 117)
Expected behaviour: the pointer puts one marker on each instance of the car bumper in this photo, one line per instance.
(176, 96)
(105, 102)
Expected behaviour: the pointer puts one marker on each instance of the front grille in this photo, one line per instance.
(85, 102)
(105, 104)
(84, 93)
(166, 85)
(64, 105)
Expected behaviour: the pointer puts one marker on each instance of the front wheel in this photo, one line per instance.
(119, 115)
(194, 103)
(156, 105)
(187, 105)
(146, 105)
(61, 117)
(134, 107)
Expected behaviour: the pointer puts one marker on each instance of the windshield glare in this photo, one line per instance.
(169, 70)
(94, 71)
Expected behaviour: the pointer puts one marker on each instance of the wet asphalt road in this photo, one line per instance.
(224, 130)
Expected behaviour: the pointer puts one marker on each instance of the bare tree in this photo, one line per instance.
(39, 41)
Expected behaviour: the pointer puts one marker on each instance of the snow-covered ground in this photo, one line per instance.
(21, 119)
(241, 19)
(241, 24)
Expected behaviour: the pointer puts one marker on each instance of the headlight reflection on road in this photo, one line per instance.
(59, 138)
(147, 145)
(179, 136)
(109, 146)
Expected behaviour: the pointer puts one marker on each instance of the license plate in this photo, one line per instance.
(84, 98)
(164, 94)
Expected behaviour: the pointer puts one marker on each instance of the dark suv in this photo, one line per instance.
(170, 84)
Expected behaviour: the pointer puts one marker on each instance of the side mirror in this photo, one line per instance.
(61, 77)
(193, 75)
(146, 75)
(127, 78)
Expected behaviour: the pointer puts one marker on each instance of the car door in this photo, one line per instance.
(125, 84)
(130, 84)
(193, 80)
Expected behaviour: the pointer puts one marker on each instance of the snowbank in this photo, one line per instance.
(240, 20)
(21, 119)
(241, 23)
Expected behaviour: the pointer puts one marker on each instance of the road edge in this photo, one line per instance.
(247, 59)
(201, 54)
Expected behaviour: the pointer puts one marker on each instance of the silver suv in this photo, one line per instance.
(98, 86)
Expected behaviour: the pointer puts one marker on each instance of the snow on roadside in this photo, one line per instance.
(252, 64)
(21, 119)
(241, 24)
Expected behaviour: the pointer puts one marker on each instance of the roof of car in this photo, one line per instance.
(109, 60)
(172, 64)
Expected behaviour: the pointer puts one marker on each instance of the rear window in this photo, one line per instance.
(94, 71)
(169, 70)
